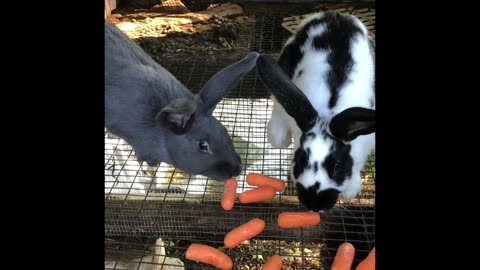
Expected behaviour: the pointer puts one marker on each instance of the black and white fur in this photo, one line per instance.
(323, 89)
(160, 118)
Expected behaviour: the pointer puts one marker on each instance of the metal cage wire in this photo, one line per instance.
(152, 214)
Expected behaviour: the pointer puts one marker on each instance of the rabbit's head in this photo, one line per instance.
(196, 141)
(160, 118)
(331, 152)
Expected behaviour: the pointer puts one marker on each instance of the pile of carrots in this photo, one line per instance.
(267, 188)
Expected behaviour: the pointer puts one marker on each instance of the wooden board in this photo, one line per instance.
(224, 10)
(195, 17)
(170, 6)
(109, 6)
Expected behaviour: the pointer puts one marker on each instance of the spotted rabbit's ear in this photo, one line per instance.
(352, 123)
(217, 87)
(178, 115)
(293, 100)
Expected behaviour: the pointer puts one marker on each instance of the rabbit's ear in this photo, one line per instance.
(352, 123)
(292, 99)
(216, 88)
(178, 115)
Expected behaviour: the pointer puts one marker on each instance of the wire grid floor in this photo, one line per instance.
(148, 209)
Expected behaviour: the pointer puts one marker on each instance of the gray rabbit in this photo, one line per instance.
(160, 118)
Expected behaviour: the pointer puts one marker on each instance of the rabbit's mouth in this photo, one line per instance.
(317, 201)
(223, 171)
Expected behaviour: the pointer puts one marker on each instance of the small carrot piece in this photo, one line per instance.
(244, 232)
(344, 258)
(210, 255)
(298, 219)
(260, 180)
(257, 195)
(229, 194)
(274, 263)
(368, 263)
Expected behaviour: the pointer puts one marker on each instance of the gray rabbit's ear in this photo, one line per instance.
(178, 115)
(216, 88)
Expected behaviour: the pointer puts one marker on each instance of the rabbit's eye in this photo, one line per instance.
(335, 167)
(203, 146)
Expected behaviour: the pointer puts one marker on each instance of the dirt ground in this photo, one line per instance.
(220, 38)
(217, 39)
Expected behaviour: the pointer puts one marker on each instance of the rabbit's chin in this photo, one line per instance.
(219, 176)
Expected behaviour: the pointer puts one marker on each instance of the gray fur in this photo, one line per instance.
(160, 118)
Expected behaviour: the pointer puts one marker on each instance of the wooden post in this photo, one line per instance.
(109, 6)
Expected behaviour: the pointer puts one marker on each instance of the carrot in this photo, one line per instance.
(274, 263)
(257, 195)
(229, 194)
(260, 180)
(209, 255)
(368, 263)
(344, 257)
(298, 219)
(244, 232)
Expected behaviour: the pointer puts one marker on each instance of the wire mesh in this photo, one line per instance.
(152, 214)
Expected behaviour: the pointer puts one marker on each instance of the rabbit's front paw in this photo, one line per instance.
(352, 190)
(278, 133)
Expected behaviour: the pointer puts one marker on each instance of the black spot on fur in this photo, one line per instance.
(315, 167)
(316, 201)
(311, 134)
(300, 160)
(339, 163)
(299, 74)
(302, 156)
(325, 135)
(336, 39)
(302, 138)
(290, 57)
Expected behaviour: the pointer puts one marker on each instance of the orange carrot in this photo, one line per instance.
(257, 195)
(344, 257)
(274, 263)
(298, 219)
(368, 263)
(229, 194)
(260, 180)
(244, 232)
(209, 255)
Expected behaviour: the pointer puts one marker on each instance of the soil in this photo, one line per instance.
(212, 40)
(220, 38)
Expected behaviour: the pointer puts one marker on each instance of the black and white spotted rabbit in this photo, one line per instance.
(323, 88)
